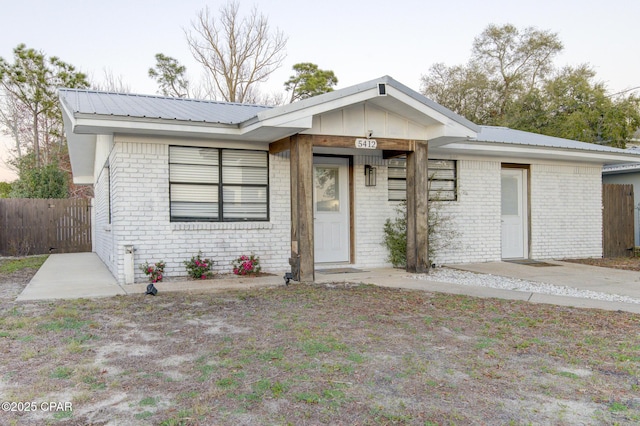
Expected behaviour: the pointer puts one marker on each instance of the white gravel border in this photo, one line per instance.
(493, 281)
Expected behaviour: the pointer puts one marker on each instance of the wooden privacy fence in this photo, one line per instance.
(617, 220)
(37, 226)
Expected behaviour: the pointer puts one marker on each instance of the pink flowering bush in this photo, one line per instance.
(246, 265)
(198, 268)
(154, 272)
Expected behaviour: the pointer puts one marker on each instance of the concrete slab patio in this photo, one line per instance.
(83, 275)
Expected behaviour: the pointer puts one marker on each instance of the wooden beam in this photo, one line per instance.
(301, 168)
(417, 210)
(392, 147)
(331, 141)
(280, 146)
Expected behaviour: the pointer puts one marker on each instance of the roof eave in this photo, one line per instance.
(506, 150)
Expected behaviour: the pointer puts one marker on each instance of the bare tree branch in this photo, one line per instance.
(236, 52)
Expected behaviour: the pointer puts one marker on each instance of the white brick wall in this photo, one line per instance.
(471, 232)
(372, 209)
(140, 217)
(565, 215)
(566, 211)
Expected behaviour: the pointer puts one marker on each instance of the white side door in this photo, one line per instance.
(514, 214)
(331, 209)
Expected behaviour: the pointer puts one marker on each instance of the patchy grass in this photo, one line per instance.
(317, 355)
(303, 354)
(10, 265)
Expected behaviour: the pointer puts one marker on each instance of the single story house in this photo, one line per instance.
(310, 184)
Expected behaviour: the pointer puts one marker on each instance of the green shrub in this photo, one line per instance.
(198, 268)
(395, 237)
(440, 234)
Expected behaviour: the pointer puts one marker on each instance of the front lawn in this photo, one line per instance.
(330, 354)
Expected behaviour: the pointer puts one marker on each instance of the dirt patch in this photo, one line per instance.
(12, 283)
(317, 355)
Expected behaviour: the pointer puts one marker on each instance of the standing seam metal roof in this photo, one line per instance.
(519, 137)
(157, 107)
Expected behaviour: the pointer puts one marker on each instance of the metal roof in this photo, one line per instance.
(519, 137)
(613, 169)
(91, 102)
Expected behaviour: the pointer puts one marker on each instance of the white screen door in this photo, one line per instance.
(514, 214)
(331, 209)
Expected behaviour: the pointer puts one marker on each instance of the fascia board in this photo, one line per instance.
(502, 150)
(450, 130)
(83, 180)
(109, 125)
(471, 128)
(297, 124)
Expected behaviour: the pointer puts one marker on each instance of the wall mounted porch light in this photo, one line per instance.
(369, 175)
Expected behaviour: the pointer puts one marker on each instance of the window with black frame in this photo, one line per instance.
(442, 179)
(218, 185)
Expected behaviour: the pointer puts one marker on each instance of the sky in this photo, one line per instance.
(357, 40)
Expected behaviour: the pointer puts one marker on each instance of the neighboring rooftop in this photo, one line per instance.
(612, 169)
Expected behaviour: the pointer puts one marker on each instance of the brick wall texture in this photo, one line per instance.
(565, 215)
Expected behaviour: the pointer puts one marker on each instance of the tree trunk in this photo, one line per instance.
(36, 140)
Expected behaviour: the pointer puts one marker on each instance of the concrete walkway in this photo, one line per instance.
(83, 275)
(71, 276)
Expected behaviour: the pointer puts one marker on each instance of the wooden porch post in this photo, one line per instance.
(301, 167)
(417, 212)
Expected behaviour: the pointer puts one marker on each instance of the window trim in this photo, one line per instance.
(220, 185)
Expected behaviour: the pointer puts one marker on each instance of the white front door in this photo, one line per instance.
(514, 214)
(331, 209)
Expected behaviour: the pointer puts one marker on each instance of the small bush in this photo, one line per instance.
(155, 272)
(395, 237)
(246, 265)
(441, 234)
(198, 268)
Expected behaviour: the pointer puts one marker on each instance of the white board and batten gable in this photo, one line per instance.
(381, 108)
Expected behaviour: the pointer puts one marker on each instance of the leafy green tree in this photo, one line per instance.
(45, 181)
(170, 76)
(510, 81)
(506, 64)
(463, 89)
(309, 81)
(32, 81)
(514, 61)
(571, 105)
(5, 189)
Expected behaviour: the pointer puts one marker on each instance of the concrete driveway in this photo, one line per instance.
(84, 275)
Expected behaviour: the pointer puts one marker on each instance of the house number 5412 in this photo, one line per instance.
(366, 143)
